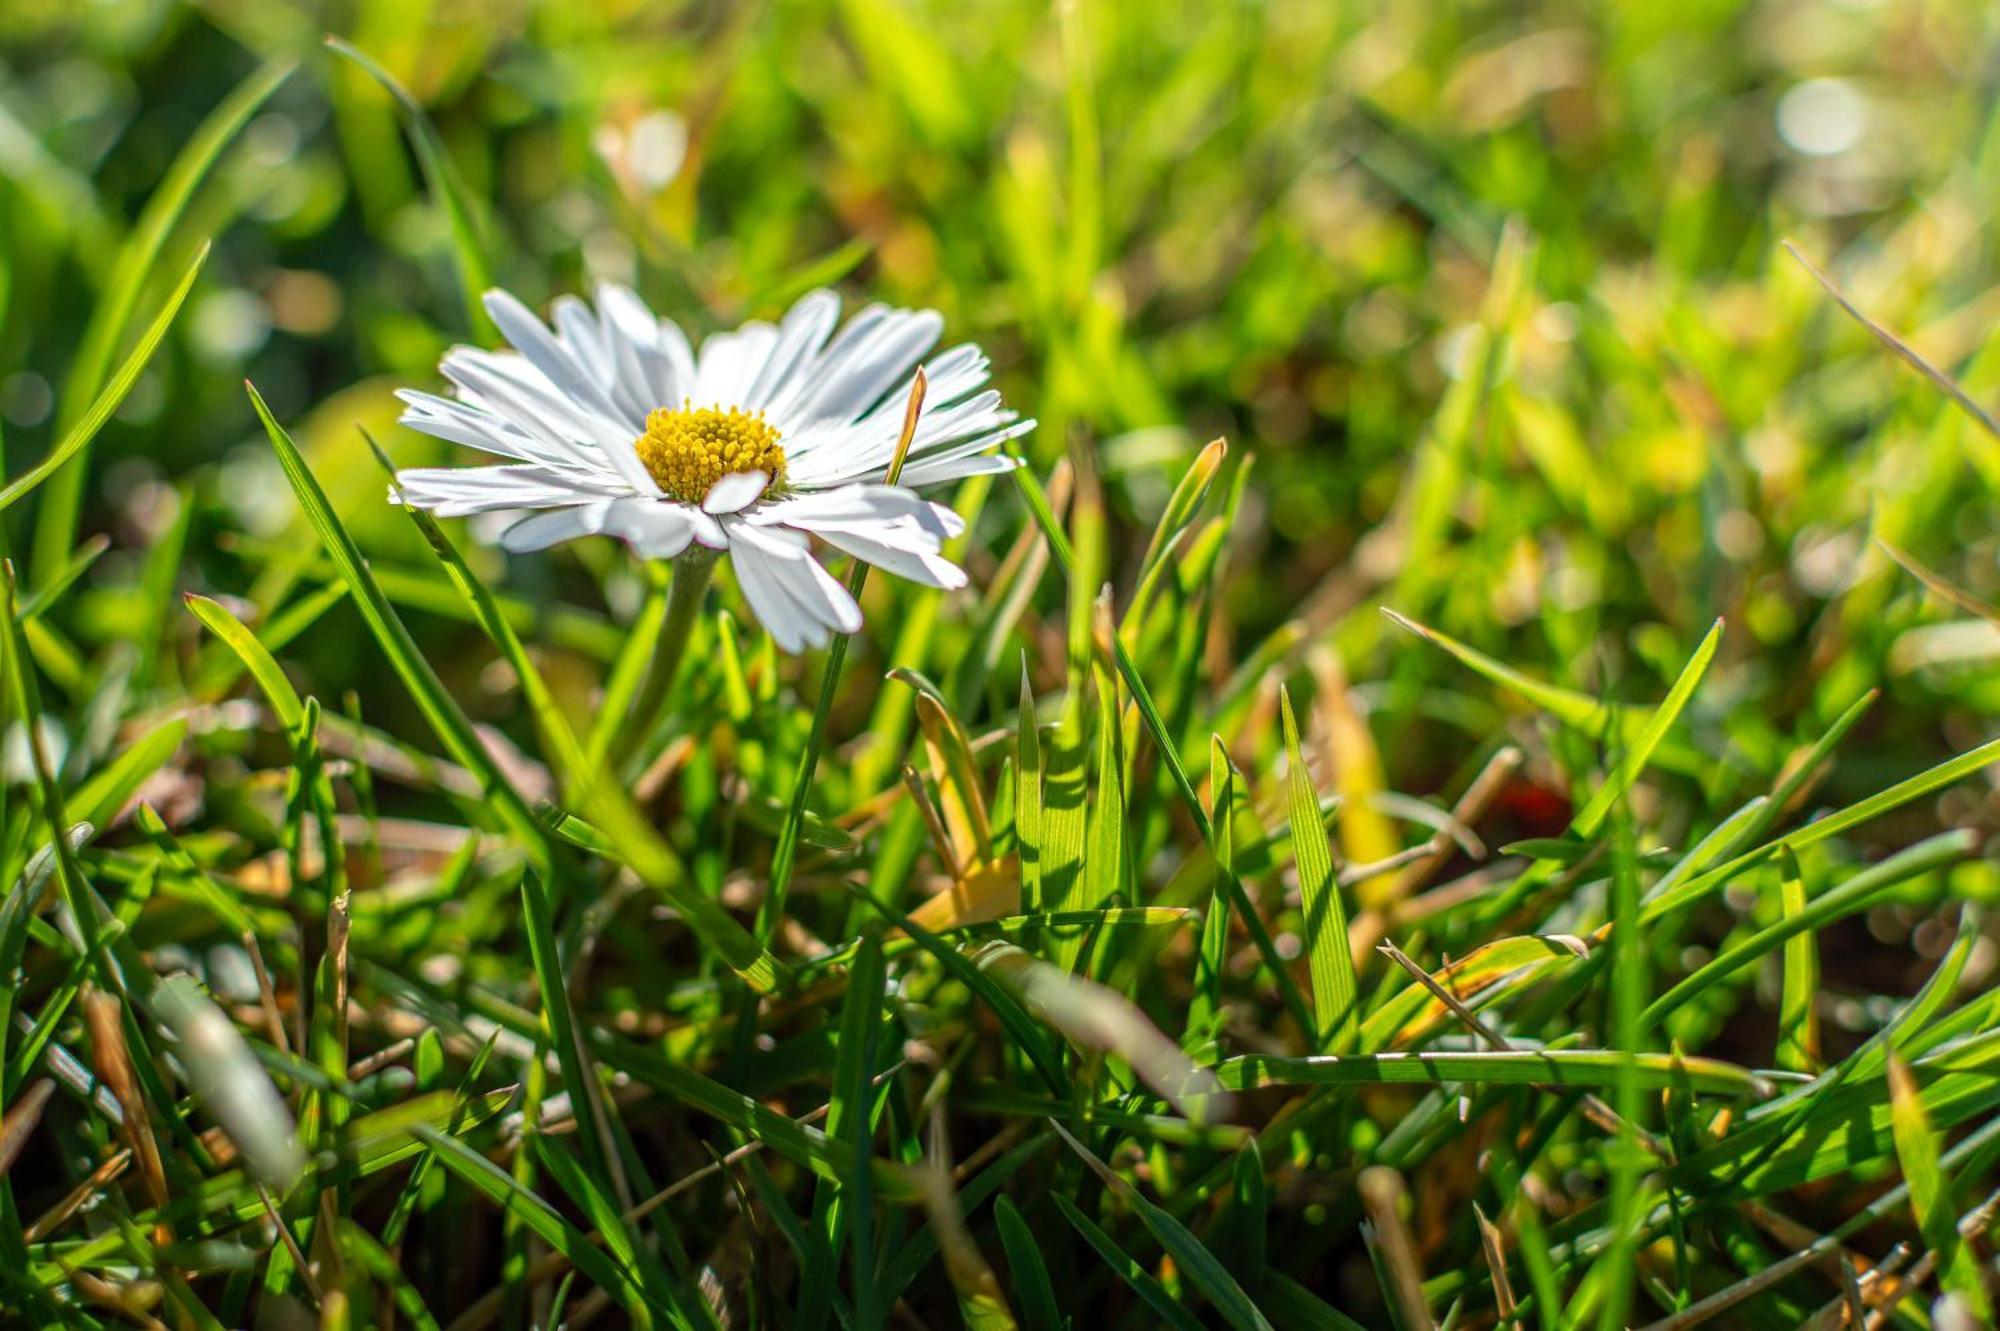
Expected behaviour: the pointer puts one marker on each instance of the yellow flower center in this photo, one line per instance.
(688, 448)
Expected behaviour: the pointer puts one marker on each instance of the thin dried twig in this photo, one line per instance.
(1900, 347)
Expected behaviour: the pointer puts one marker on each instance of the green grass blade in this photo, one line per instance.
(1034, 1293)
(447, 190)
(1930, 1192)
(543, 1220)
(138, 260)
(1193, 1258)
(107, 401)
(1336, 992)
(1852, 895)
(1587, 1068)
(1156, 1295)
(1798, 1005)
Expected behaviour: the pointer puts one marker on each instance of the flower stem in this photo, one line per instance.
(684, 597)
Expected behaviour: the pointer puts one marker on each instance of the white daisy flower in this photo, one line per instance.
(614, 424)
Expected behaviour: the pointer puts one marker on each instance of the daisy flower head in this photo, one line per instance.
(612, 423)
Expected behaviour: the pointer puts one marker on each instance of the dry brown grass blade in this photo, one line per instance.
(267, 994)
(1384, 1194)
(1469, 809)
(112, 1060)
(1355, 765)
(1939, 587)
(1897, 345)
(1494, 1245)
(53, 1218)
(965, 1265)
(22, 1116)
(1591, 1106)
(942, 840)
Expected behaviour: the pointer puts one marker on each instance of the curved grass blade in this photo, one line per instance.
(1033, 1291)
(499, 1187)
(447, 190)
(107, 401)
(138, 259)
(1932, 853)
(1900, 347)
(1193, 1258)
(1156, 1295)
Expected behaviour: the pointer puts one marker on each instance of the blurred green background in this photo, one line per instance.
(1278, 222)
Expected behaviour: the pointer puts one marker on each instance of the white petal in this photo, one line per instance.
(584, 339)
(454, 492)
(475, 427)
(804, 330)
(957, 469)
(861, 503)
(531, 337)
(905, 550)
(735, 491)
(852, 378)
(555, 525)
(645, 376)
(730, 363)
(757, 576)
(706, 529)
(655, 528)
(782, 562)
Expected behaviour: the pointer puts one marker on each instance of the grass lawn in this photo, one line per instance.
(1425, 758)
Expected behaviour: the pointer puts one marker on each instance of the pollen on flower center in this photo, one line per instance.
(687, 449)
